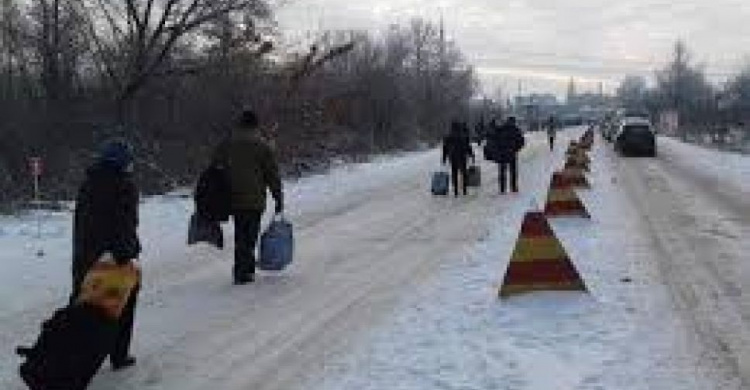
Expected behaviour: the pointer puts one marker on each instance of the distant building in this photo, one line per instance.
(585, 107)
(534, 109)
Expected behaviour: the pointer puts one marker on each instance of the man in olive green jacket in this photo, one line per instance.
(252, 170)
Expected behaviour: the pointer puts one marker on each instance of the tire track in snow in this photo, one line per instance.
(703, 271)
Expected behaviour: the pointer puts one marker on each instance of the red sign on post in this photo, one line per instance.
(35, 164)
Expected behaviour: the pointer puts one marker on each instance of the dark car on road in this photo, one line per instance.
(636, 137)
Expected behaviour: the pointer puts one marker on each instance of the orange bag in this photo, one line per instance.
(108, 285)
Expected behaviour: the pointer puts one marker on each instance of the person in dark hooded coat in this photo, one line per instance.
(253, 171)
(457, 150)
(106, 221)
(505, 142)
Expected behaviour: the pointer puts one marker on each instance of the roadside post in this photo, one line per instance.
(36, 167)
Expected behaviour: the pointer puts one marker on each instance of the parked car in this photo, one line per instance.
(635, 137)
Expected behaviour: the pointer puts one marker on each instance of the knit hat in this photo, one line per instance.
(116, 153)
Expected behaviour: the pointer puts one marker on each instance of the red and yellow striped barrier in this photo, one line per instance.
(575, 177)
(578, 160)
(539, 261)
(587, 140)
(563, 201)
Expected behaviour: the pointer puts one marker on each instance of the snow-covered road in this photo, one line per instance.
(364, 236)
(628, 334)
(393, 288)
(696, 206)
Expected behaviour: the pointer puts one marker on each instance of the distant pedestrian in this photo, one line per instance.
(252, 169)
(503, 144)
(106, 221)
(552, 127)
(457, 150)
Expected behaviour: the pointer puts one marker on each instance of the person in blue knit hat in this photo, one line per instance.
(117, 154)
(106, 221)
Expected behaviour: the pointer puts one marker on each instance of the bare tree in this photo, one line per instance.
(683, 86)
(632, 92)
(14, 30)
(58, 45)
(736, 96)
(173, 73)
(134, 39)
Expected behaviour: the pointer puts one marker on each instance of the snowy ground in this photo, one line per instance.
(393, 288)
(364, 232)
(726, 168)
(455, 334)
(695, 204)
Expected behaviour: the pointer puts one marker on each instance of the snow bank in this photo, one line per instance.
(727, 168)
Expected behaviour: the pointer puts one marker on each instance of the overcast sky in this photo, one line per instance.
(543, 43)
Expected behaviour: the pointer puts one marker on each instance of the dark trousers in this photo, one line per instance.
(459, 168)
(246, 230)
(552, 143)
(121, 344)
(512, 165)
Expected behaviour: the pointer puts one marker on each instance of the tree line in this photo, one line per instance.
(170, 76)
(683, 87)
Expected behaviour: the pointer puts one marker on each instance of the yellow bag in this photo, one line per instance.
(108, 285)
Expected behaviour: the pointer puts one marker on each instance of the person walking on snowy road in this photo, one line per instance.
(552, 132)
(456, 151)
(106, 221)
(252, 169)
(502, 146)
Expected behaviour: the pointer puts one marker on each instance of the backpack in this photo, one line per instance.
(213, 194)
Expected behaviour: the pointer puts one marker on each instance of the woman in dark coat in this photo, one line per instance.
(106, 221)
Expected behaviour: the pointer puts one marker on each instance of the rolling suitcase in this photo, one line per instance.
(440, 183)
(76, 340)
(70, 349)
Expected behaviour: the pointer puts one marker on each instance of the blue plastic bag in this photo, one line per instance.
(440, 183)
(277, 245)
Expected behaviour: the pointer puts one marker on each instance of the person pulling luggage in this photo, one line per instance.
(106, 222)
(457, 150)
